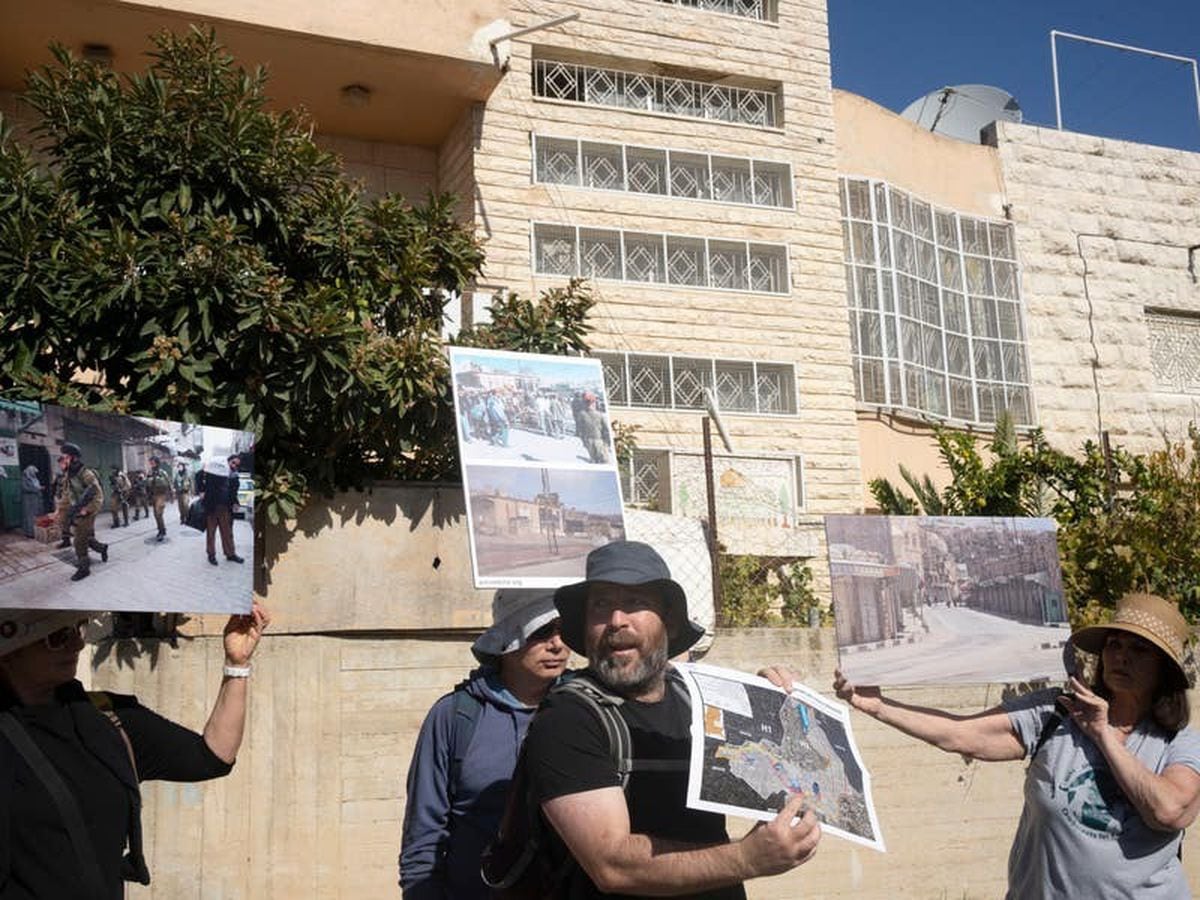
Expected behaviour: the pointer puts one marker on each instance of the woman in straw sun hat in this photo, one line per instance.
(1114, 771)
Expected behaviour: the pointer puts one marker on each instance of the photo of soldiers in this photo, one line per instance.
(183, 491)
(139, 496)
(524, 407)
(85, 498)
(158, 486)
(61, 502)
(118, 487)
(592, 427)
(94, 465)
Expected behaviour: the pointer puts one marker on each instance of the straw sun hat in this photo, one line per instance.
(1148, 616)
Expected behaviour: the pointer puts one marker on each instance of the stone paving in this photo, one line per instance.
(141, 574)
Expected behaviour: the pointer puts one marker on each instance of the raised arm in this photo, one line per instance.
(986, 735)
(227, 721)
(1166, 802)
(595, 827)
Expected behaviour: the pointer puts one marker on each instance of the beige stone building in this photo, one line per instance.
(838, 277)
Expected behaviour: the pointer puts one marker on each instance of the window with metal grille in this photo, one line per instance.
(763, 10)
(679, 382)
(1174, 350)
(648, 258)
(935, 311)
(651, 170)
(646, 479)
(595, 86)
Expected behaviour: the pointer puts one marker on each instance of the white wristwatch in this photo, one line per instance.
(237, 671)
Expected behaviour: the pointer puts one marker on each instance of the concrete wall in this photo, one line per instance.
(314, 806)
(434, 27)
(1061, 185)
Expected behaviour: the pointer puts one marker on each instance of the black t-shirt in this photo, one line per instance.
(90, 756)
(567, 753)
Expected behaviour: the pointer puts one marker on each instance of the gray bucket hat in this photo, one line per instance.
(516, 614)
(630, 563)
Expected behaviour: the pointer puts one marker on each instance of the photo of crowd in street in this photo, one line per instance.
(534, 527)
(922, 599)
(525, 407)
(100, 511)
(538, 464)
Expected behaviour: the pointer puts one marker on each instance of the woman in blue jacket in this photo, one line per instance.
(467, 749)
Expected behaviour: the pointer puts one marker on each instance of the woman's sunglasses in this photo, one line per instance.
(57, 640)
(547, 631)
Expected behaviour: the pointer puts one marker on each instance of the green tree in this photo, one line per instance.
(1131, 522)
(187, 253)
(1002, 486)
(758, 590)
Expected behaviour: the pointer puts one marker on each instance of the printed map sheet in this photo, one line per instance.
(753, 746)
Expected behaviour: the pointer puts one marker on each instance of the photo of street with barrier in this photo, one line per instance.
(946, 599)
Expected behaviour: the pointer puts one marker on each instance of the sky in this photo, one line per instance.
(896, 51)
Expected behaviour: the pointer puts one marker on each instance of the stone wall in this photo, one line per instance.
(314, 807)
(807, 328)
(1126, 214)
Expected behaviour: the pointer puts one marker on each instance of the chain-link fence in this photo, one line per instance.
(751, 589)
(768, 590)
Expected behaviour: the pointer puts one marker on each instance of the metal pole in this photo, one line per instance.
(1196, 85)
(1054, 63)
(1116, 46)
(520, 32)
(713, 552)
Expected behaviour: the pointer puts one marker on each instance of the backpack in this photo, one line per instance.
(467, 711)
(517, 864)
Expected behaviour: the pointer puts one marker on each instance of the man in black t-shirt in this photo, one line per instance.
(629, 618)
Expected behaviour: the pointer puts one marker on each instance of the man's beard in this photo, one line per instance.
(630, 679)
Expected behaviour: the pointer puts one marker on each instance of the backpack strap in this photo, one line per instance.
(467, 711)
(64, 801)
(8, 779)
(606, 708)
(1048, 729)
(133, 866)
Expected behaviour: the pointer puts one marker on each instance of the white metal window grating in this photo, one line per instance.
(763, 10)
(574, 83)
(668, 173)
(935, 310)
(646, 480)
(1174, 350)
(650, 258)
(678, 382)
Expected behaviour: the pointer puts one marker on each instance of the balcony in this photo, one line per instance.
(423, 64)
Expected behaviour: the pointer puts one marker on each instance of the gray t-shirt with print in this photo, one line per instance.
(1078, 835)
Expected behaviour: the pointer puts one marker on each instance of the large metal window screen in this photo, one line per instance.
(935, 309)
